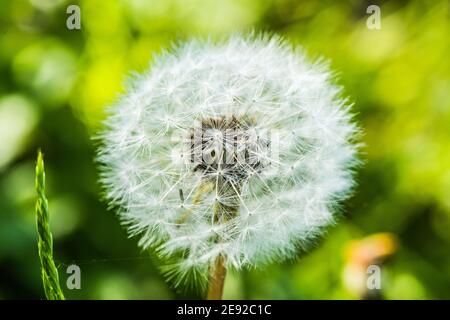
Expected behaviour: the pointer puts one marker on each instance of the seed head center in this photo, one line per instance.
(228, 146)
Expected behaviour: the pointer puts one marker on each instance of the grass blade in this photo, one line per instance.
(49, 272)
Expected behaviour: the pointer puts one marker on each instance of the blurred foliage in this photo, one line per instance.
(55, 84)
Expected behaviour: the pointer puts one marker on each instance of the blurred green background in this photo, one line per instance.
(55, 84)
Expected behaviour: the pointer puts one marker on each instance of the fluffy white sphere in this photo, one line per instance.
(278, 118)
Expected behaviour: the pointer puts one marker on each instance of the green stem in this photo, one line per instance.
(216, 279)
(218, 270)
(49, 272)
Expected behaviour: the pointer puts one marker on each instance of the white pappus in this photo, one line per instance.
(241, 149)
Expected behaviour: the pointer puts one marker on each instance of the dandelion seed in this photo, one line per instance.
(228, 154)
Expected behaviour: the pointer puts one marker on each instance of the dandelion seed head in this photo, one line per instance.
(247, 127)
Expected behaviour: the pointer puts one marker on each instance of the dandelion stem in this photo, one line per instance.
(49, 272)
(218, 270)
(217, 279)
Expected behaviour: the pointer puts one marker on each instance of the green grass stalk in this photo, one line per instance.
(49, 272)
